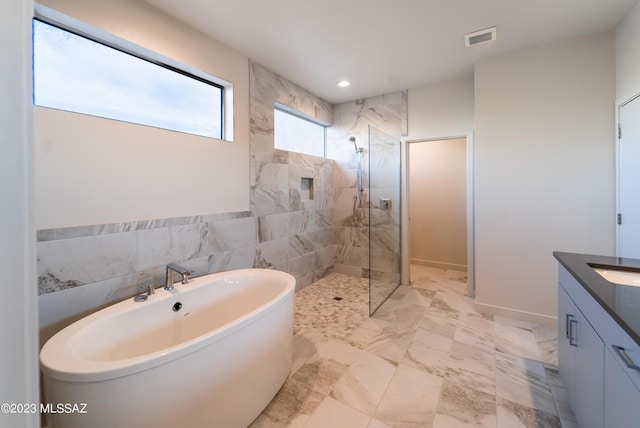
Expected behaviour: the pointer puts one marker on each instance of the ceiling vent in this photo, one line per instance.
(481, 36)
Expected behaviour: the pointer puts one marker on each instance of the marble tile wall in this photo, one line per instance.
(384, 221)
(82, 269)
(387, 116)
(287, 217)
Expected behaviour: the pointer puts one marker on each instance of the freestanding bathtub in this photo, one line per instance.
(211, 353)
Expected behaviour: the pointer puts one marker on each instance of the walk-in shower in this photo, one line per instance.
(367, 208)
(368, 238)
(383, 184)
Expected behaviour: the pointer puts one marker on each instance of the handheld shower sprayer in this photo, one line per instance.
(358, 149)
(357, 200)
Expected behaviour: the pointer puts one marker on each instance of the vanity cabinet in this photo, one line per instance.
(566, 351)
(594, 355)
(622, 395)
(581, 361)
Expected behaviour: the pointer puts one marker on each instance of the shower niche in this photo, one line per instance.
(306, 189)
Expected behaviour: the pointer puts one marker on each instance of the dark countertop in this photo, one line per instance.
(622, 302)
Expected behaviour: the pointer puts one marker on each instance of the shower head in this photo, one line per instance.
(353, 140)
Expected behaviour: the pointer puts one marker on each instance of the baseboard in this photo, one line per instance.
(440, 265)
(516, 314)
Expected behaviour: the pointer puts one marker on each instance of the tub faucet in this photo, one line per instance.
(171, 268)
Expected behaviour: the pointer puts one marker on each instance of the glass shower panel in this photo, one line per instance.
(384, 216)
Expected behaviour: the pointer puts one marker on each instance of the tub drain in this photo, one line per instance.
(177, 307)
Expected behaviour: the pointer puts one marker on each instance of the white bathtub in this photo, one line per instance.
(217, 362)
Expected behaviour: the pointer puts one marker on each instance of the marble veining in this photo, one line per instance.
(85, 260)
(72, 257)
(277, 199)
(425, 359)
(376, 123)
(106, 229)
(284, 229)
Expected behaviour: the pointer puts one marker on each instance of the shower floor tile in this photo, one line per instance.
(425, 359)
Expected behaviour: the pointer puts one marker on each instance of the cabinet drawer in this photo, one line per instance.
(628, 358)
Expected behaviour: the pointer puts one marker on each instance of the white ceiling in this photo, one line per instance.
(383, 46)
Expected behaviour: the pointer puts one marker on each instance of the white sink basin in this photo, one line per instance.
(623, 277)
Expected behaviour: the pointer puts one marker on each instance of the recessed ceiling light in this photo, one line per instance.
(344, 83)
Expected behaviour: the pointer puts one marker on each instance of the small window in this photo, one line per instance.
(298, 134)
(75, 73)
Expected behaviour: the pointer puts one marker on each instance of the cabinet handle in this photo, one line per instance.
(626, 359)
(572, 339)
(567, 328)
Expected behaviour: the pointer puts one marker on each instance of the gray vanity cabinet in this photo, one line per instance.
(622, 379)
(566, 351)
(621, 396)
(594, 355)
(589, 348)
(581, 362)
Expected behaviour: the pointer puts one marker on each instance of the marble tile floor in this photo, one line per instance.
(425, 359)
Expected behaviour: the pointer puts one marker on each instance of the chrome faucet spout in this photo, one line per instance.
(171, 268)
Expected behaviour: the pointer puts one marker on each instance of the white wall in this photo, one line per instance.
(92, 170)
(18, 318)
(627, 57)
(442, 109)
(544, 169)
(438, 201)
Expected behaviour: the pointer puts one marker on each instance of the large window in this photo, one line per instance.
(75, 73)
(295, 133)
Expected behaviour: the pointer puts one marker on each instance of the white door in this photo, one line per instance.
(629, 180)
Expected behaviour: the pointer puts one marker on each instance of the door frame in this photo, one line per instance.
(19, 321)
(405, 153)
(619, 104)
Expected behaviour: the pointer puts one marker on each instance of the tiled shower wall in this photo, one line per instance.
(291, 221)
(82, 269)
(387, 113)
